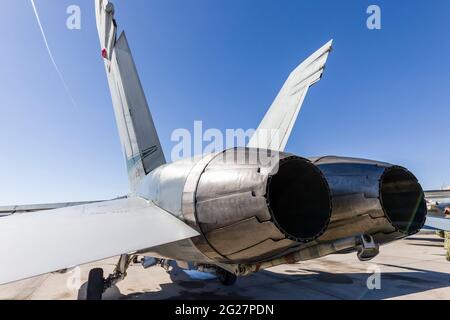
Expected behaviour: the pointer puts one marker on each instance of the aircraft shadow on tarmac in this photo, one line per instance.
(437, 240)
(317, 285)
(426, 245)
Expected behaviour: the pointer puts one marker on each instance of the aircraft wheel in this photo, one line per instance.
(96, 285)
(226, 278)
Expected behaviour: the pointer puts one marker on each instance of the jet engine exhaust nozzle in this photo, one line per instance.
(403, 200)
(299, 200)
(250, 212)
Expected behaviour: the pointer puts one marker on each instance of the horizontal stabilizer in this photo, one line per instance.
(48, 241)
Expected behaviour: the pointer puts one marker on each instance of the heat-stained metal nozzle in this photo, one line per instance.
(373, 198)
(249, 212)
(299, 199)
(403, 200)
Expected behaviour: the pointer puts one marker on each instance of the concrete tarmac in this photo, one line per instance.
(414, 268)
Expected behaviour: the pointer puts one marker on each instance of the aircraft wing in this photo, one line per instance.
(276, 127)
(436, 207)
(8, 210)
(435, 223)
(48, 241)
(437, 194)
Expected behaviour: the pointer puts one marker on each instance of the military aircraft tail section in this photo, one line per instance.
(138, 135)
(275, 129)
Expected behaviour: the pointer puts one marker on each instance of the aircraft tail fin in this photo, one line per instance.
(140, 141)
(274, 131)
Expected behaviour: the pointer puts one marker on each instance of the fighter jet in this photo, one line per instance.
(438, 202)
(438, 205)
(231, 213)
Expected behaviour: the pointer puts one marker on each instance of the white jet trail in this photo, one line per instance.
(51, 54)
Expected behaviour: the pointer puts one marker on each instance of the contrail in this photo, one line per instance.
(51, 55)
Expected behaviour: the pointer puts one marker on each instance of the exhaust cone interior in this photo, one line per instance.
(299, 200)
(403, 200)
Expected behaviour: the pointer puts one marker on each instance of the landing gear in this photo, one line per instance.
(226, 278)
(97, 285)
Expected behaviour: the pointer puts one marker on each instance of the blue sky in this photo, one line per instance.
(385, 94)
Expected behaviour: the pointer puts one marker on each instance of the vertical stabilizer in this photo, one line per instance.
(274, 131)
(137, 131)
